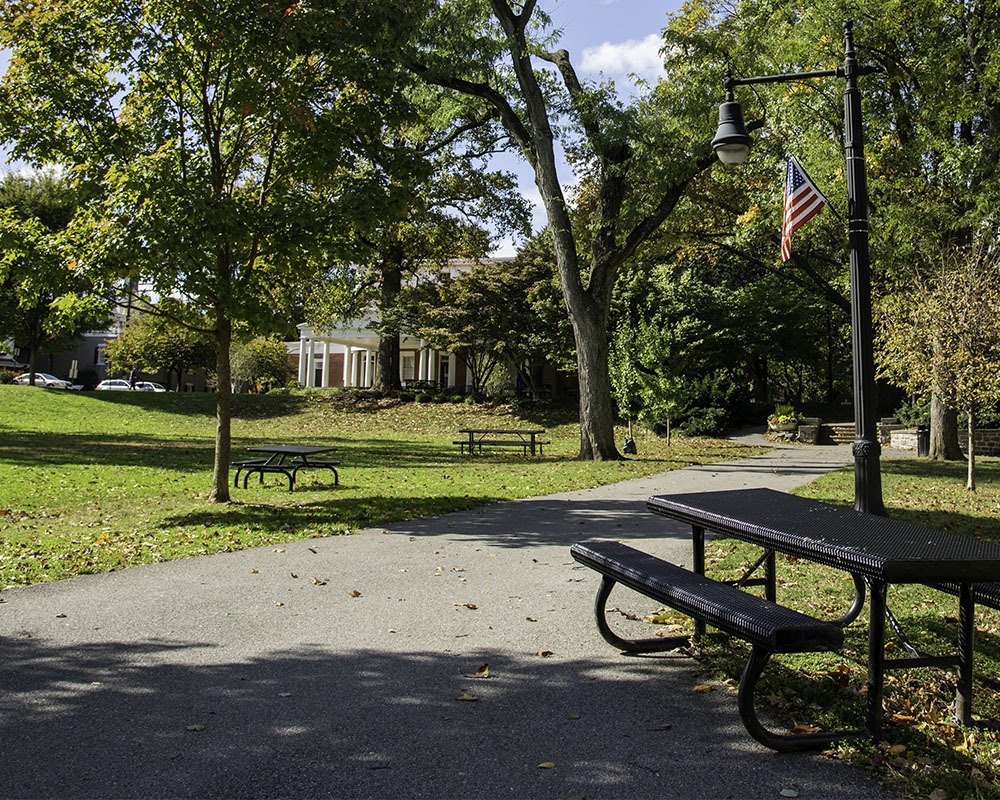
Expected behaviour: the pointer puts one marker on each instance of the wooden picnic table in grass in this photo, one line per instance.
(286, 459)
(525, 438)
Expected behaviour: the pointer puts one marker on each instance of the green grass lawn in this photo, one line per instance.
(99, 481)
(923, 754)
(92, 482)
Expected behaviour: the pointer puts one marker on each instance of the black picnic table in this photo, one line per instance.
(525, 438)
(286, 459)
(876, 551)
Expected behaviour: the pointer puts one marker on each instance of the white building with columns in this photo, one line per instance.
(346, 358)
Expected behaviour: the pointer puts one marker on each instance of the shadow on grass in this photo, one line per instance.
(337, 513)
(202, 404)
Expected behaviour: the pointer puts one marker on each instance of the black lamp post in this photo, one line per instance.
(732, 144)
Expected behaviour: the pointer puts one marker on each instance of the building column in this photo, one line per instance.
(303, 359)
(422, 354)
(326, 364)
(311, 362)
(452, 369)
(366, 369)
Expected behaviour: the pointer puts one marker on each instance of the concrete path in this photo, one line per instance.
(356, 667)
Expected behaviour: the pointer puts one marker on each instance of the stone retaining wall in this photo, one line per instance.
(987, 441)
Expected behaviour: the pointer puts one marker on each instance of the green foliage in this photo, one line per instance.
(162, 337)
(913, 414)
(260, 363)
(45, 300)
(944, 335)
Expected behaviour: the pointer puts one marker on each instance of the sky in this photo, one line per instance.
(609, 38)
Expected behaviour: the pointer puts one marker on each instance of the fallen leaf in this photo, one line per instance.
(531, 619)
(547, 765)
(355, 593)
(317, 582)
(544, 653)
(293, 574)
(801, 727)
(483, 671)
(255, 572)
(312, 550)
(704, 688)
(195, 728)
(284, 694)
(470, 606)
(666, 726)
(789, 792)
(278, 603)
(467, 698)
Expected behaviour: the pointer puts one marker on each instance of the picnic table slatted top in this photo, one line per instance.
(502, 430)
(292, 449)
(878, 547)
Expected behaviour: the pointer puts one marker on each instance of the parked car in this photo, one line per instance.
(149, 386)
(114, 385)
(42, 379)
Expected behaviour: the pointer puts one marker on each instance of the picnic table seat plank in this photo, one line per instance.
(768, 627)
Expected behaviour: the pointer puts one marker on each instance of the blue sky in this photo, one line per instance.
(609, 38)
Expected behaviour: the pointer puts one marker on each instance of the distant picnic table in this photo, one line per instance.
(286, 459)
(525, 438)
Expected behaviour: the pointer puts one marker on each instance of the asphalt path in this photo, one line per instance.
(453, 657)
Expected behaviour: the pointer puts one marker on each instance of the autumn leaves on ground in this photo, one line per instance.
(92, 482)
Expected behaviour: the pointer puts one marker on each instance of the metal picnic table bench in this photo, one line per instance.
(286, 459)
(876, 551)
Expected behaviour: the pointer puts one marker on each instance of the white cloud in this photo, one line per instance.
(641, 57)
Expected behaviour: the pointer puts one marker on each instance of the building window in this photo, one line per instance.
(99, 355)
(409, 363)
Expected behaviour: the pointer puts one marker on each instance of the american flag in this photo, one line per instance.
(803, 201)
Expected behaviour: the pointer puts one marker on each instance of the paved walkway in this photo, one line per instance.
(346, 667)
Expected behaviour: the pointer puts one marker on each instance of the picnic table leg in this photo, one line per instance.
(966, 635)
(698, 565)
(770, 580)
(876, 654)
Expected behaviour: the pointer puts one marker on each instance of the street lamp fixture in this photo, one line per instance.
(732, 144)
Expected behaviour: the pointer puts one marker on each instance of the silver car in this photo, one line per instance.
(42, 379)
(114, 385)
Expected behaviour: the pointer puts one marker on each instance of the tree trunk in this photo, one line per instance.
(597, 413)
(223, 409)
(944, 432)
(387, 372)
(971, 483)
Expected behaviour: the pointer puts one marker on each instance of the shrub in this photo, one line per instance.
(913, 414)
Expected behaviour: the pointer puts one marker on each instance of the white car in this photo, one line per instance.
(42, 379)
(150, 386)
(114, 385)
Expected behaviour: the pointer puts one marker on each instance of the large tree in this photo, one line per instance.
(932, 132)
(943, 335)
(635, 157)
(222, 137)
(44, 301)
